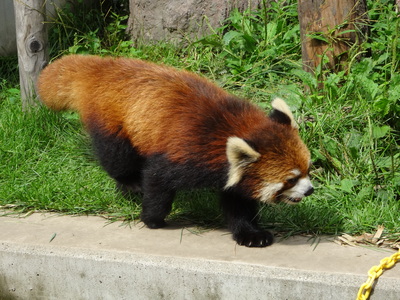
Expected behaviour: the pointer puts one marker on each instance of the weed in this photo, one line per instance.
(97, 28)
(9, 71)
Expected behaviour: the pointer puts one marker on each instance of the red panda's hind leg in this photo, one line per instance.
(119, 159)
(158, 194)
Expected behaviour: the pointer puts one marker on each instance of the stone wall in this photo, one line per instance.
(176, 21)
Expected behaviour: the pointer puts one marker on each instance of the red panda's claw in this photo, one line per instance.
(254, 239)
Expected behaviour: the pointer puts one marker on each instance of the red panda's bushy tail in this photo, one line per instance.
(56, 84)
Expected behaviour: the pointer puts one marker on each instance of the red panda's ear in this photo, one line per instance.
(239, 154)
(281, 113)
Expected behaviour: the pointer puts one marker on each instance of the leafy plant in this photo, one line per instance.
(258, 44)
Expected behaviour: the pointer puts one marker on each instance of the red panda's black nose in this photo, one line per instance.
(309, 192)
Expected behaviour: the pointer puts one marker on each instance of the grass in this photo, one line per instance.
(349, 120)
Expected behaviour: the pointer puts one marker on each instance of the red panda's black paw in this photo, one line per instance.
(154, 224)
(254, 238)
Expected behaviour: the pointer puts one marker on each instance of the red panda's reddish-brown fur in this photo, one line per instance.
(109, 90)
(181, 116)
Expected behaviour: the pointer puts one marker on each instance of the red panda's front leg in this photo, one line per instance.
(241, 216)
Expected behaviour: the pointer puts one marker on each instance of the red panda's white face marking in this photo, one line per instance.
(268, 192)
(291, 191)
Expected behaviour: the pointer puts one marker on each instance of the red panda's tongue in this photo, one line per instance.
(295, 200)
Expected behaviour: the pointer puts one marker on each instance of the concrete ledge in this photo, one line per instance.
(47, 256)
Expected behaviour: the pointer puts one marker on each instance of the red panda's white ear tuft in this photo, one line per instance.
(282, 113)
(239, 154)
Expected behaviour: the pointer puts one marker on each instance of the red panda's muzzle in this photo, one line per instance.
(295, 194)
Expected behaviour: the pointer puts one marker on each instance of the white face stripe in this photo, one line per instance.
(303, 185)
(268, 191)
(296, 172)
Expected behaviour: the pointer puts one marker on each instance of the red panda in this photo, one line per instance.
(164, 130)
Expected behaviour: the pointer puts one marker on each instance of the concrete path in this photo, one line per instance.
(47, 256)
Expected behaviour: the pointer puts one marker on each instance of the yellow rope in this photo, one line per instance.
(374, 273)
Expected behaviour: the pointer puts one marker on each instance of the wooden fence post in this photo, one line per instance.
(330, 28)
(32, 46)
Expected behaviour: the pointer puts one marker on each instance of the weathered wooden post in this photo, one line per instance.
(329, 29)
(31, 44)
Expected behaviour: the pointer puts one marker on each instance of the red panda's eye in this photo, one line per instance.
(292, 181)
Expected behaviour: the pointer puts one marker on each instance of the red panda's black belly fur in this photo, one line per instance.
(125, 164)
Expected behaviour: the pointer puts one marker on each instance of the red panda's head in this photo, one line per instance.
(273, 165)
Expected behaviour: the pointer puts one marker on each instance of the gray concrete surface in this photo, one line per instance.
(46, 256)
